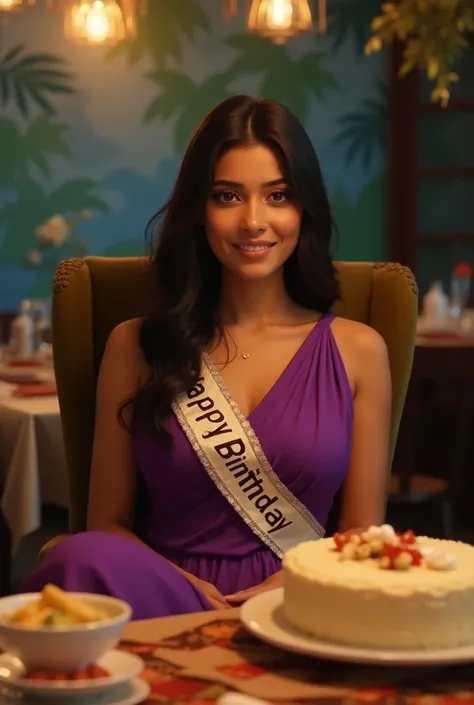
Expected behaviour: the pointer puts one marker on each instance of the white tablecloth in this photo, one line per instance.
(32, 462)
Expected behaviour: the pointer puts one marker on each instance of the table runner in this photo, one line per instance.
(197, 658)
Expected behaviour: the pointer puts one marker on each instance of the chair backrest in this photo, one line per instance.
(93, 295)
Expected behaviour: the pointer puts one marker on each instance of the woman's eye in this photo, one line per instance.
(279, 196)
(225, 196)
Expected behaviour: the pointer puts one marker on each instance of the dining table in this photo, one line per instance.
(32, 458)
(198, 658)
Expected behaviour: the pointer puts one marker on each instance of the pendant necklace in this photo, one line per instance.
(245, 356)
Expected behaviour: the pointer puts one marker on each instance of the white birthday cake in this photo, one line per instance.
(382, 590)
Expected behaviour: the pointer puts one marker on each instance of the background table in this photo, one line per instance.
(32, 462)
(417, 478)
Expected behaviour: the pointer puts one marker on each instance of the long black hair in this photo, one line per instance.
(188, 275)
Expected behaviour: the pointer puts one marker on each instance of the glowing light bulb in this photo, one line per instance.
(279, 20)
(98, 22)
(10, 5)
(280, 14)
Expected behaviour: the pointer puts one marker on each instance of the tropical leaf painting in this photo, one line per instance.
(32, 80)
(361, 221)
(33, 204)
(364, 132)
(27, 153)
(162, 31)
(351, 19)
(42, 140)
(291, 81)
(187, 102)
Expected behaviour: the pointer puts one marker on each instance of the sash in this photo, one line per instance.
(230, 452)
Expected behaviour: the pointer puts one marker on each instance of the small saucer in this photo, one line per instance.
(121, 666)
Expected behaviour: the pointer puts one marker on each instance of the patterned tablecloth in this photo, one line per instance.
(197, 658)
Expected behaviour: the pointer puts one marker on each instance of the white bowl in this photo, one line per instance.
(68, 647)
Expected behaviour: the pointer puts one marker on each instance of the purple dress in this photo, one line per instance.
(304, 426)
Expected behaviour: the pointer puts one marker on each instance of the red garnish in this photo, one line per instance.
(407, 537)
(47, 674)
(393, 552)
(341, 540)
(95, 671)
(462, 269)
(79, 676)
(37, 674)
(395, 556)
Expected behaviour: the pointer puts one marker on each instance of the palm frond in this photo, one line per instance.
(160, 34)
(43, 140)
(311, 72)
(347, 18)
(255, 54)
(76, 195)
(364, 131)
(30, 79)
(176, 90)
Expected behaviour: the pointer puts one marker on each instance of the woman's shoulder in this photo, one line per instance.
(124, 343)
(359, 336)
(362, 348)
(126, 333)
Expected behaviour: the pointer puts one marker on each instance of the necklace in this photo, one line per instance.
(246, 355)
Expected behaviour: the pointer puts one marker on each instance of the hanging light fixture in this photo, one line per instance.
(230, 9)
(10, 6)
(279, 20)
(15, 6)
(99, 22)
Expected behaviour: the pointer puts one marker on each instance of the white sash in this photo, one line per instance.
(232, 456)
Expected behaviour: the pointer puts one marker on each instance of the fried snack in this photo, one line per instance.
(55, 608)
(78, 610)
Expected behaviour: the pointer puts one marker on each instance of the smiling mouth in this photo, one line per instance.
(255, 248)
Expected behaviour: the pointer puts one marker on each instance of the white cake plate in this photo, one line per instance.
(263, 616)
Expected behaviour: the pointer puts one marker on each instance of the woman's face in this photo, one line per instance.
(252, 222)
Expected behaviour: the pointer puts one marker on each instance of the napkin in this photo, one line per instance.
(36, 390)
(6, 390)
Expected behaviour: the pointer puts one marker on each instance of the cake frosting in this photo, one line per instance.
(382, 589)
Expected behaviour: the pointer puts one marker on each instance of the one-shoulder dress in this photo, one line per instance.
(304, 427)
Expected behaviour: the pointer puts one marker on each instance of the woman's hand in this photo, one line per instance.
(217, 600)
(274, 581)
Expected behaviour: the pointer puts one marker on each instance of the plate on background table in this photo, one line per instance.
(25, 374)
(263, 616)
(121, 666)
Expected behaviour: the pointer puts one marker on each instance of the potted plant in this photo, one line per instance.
(435, 34)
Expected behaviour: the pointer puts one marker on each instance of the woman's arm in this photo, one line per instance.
(363, 499)
(113, 481)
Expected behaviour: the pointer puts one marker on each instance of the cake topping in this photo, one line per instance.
(384, 533)
(391, 549)
(436, 560)
(399, 557)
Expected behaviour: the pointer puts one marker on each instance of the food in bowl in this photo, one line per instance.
(83, 627)
(55, 608)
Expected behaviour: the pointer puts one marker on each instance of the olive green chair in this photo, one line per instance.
(93, 295)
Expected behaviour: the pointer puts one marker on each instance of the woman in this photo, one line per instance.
(227, 422)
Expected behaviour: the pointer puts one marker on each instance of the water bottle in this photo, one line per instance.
(22, 333)
(460, 288)
(435, 306)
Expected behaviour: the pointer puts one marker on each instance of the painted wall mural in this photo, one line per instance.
(96, 135)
